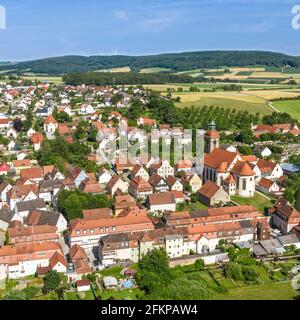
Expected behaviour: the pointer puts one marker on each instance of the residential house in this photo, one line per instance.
(263, 151)
(174, 184)
(23, 208)
(80, 261)
(20, 193)
(163, 169)
(268, 186)
(48, 189)
(161, 202)
(269, 169)
(116, 183)
(50, 125)
(34, 175)
(158, 183)
(192, 182)
(18, 233)
(4, 189)
(124, 202)
(21, 260)
(104, 176)
(4, 169)
(183, 166)
(87, 233)
(51, 218)
(211, 194)
(19, 165)
(284, 216)
(139, 188)
(139, 171)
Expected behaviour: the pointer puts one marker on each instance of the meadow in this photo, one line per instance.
(253, 97)
(290, 106)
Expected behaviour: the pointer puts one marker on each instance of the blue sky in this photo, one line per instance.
(39, 28)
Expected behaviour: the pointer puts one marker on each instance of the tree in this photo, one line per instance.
(249, 273)
(199, 264)
(71, 203)
(297, 199)
(17, 124)
(153, 271)
(245, 136)
(234, 271)
(52, 281)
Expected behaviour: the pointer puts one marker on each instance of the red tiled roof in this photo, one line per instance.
(243, 169)
(50, 119)
(209, 189)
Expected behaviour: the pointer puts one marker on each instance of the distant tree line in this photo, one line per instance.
(124, 78)
(174, 61)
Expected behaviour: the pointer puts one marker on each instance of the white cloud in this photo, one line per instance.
(121, 15)
(159, 22)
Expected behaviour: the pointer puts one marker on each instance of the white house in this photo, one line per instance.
(161, 202)
(268, 186)
(163, 169)
(50, 125)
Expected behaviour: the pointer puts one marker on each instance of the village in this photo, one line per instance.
(64, 208)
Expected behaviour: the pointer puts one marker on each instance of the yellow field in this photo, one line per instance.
(154, 70)
(268, 75)
(190, 97)
(231, 76)
(254, 69)
(44, 79)
(116, 70)
(272, 94)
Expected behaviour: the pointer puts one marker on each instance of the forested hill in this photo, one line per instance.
(174, 61)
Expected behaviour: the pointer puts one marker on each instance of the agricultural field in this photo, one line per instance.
(49, 79)
(270, 291)
(116, 70)
(155, 70)
(290, 106)
(253, 98)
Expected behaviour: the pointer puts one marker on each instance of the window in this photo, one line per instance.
(244, 184)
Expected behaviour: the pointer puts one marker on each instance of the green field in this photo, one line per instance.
(270, 291)
(258, 201)
(49, 79)
(154, 70)
(290, 106)
(251, 107)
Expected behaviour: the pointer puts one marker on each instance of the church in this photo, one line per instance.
(225, 168)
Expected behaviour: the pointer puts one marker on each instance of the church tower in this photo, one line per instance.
(212, 138)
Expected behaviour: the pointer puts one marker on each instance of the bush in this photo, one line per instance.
(250, 274)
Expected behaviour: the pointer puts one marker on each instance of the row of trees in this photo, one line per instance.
(176, 61)
(71, 203)
(124, 78)
(159, 281)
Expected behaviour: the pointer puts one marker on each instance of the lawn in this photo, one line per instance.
(192, 206)
(130, 294)
(290, 106)
(270, 291)
(114, 272)
(88, 295)
(258, 201)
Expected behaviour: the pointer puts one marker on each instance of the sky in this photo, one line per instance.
(39, 28)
